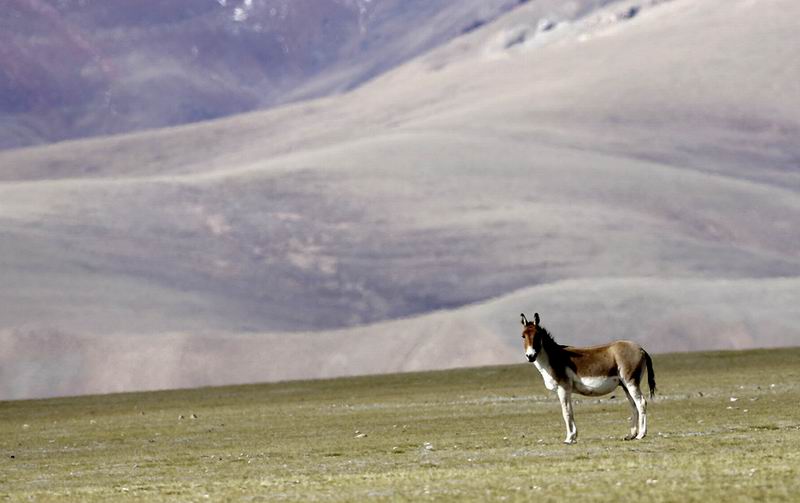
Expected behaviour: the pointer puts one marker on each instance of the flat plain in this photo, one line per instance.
(724, 425)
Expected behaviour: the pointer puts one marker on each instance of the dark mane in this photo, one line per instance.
(549, 342)
(558, 354)
(548, 339)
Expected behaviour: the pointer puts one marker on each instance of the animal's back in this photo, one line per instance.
(619, 358)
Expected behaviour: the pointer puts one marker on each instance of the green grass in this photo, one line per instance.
(495, 434)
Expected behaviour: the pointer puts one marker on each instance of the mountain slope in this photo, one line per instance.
(78, 68)
(625, 172)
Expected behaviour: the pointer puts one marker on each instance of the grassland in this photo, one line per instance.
(725, 425)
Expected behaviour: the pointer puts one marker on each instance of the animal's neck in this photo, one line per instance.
(557, 357)
(542, 360)
(550, 346)
(542, 364)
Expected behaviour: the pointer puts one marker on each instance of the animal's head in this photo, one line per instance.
(531, 337)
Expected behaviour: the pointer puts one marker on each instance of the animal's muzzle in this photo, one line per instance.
(531, 358)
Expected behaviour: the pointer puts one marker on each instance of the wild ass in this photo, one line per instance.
(592, 371)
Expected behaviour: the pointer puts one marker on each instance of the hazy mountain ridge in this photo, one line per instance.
(554, 170)
(733, 315)
(72, 69)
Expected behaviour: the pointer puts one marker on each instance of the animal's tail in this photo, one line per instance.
(651, 375)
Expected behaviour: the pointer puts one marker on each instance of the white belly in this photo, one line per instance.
(595, 386)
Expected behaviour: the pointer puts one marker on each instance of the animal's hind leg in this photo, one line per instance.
(634, 415)
(641, 405)
(641, 408)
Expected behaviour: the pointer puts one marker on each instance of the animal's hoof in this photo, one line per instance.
(629, 437)
(570, 441)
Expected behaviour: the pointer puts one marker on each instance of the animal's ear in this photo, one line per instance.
(536, 319)
(524, 320)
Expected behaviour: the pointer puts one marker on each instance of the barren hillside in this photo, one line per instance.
(629, 170)
(82, 68)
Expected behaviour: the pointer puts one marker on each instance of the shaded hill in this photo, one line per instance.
(71, 69)
(623, 171)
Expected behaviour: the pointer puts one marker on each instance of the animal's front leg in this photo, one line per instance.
(565, 397)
